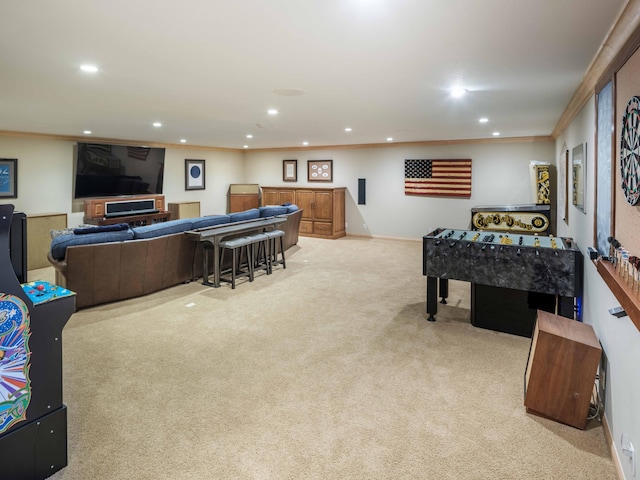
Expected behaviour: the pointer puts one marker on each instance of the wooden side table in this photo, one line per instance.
(39, 228)
(561, 369)
(184, 210)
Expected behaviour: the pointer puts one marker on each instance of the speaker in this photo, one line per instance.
(362, 191)
(18, 245)
(117, 209)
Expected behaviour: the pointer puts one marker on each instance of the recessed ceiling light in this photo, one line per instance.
(246, 146)
(305, 143)
(87, 132)
(483, 120)
(249, 136)
(272, 111)
(157, 124)
(458, 91)
(389, 139)
(495, 134)
(348, 129)
(183, 140)
(89, 68)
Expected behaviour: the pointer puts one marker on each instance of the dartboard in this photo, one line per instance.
(630, 151)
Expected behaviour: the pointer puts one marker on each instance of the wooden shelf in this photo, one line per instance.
(133, 220)
(628, 298)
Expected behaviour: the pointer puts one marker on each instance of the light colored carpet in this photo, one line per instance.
(325, 370)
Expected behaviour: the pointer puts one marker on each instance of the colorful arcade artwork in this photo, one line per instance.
(15, 386)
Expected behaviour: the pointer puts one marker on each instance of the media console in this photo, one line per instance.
(136, 211)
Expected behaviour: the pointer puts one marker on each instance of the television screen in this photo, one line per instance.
(110, 170)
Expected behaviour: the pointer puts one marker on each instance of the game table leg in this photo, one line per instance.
(444, 290)
(432, 298)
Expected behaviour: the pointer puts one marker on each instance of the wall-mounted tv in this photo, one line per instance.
(112, 170)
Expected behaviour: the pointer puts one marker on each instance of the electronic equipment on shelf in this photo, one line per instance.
(131, 212)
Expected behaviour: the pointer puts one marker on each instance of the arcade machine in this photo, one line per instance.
(33, 419)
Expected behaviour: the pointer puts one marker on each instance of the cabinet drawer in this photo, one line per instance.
(306, 227)
(323, 228)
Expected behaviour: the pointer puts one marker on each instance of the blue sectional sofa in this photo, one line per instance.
(115, 262)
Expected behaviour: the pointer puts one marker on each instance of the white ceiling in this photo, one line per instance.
(207, 69)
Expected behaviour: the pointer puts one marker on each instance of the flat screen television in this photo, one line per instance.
(113, 170)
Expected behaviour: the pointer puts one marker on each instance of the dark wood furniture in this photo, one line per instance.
(323, 208)
(561, 369)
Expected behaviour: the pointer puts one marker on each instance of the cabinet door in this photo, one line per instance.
(323, 206)
(287, 196)
(305, 201)
(269, 196)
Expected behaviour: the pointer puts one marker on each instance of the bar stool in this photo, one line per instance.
(260, 252)
(236, 245)
(272, 249)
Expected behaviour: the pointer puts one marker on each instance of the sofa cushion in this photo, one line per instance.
(209, 221)
(101, 228)
(59, 244)
(162, 228)
(272, 211)
(250, 214)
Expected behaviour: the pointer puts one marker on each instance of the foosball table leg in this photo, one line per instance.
(432, 298)
(444, 290)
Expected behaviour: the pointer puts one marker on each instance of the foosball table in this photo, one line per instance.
(531, 263)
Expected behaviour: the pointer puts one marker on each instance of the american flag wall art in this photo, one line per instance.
(438, 178)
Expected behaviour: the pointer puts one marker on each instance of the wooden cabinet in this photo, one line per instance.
(184, 210)
(243, 196)
(96, 207)
(39, 237)
(323, 212)
(136, 210)
(561, 369)
(278, 196)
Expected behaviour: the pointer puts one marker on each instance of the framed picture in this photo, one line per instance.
(579, 167)
(320, 170)
(8, 178)
(194, 175)
(290, 170)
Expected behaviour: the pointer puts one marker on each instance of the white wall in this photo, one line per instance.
(619, 338)
(500, 175)
(46, 168)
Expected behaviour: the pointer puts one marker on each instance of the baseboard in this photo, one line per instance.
(612, 448)
(382, 237)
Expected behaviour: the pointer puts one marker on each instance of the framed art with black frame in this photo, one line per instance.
(320, 170)
(8, 178)
(290, 170)
(194, 175)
